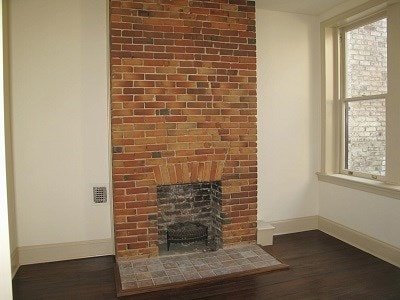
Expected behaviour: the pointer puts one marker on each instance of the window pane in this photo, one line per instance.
(365, 131)
(366, 60)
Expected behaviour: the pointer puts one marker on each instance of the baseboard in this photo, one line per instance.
(362, 241)
(14, 262)
(295, 225)
(64, 251)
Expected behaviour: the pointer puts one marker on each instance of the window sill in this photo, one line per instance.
(362, 184)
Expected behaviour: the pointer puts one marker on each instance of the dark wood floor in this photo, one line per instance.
(321, 267)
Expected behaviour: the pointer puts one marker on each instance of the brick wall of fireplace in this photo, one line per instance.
(183, 93)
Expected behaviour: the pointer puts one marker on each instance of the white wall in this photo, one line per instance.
(373, 215)
(5, 263)
(288, 79)
(59, 89)
(8, 134)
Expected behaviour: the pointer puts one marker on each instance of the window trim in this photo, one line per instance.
(342, 30)
(331, 117)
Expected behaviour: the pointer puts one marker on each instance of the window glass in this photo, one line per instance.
(366, 60)
(365, 136)
(365, 73)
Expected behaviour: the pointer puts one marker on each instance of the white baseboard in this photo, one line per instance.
(357, 239)
(64, 251)
(14, 262)
(295, 225)
(362, 241)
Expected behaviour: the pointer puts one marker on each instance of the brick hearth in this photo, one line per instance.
(183, 77)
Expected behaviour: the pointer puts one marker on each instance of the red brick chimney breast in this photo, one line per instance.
(183, 109)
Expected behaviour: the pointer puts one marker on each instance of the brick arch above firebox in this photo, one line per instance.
(188, 172)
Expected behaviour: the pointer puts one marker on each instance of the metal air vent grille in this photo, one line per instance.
(100, 194)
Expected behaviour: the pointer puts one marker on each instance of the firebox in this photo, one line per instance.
(190, 212)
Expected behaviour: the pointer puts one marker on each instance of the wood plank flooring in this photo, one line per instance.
(321, 267)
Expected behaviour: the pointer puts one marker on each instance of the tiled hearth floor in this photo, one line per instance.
(150, 272)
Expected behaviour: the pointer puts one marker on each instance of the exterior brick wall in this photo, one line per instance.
(367, 75)
(183, 92)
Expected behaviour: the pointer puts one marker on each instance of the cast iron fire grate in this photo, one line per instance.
(186, 232)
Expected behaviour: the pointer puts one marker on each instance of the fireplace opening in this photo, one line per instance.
(189, 217)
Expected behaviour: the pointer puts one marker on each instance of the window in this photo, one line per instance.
(361, 98)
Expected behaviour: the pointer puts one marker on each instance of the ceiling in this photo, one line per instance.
(308, 7)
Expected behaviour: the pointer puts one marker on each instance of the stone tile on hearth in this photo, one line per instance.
(170, 265)
(184, 263)
(221, 271)
(161, 280)
(255, 259)
(138, 263)
(129, 285)
(158, 274)
(215, 265)
(191, 275)
(185, 267)
(155, 267)
(248, 254)
(176, 278)
(145, 283)
(203, 267)
(143, 276)
(235, 255)
(229, 263)
(173, 272)
(224, 258)
(247, 267)
(128, 278)
(140, 269)
(206, 273)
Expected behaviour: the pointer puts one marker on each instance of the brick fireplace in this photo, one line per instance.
(183, 93)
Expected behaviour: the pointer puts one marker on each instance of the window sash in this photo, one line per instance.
(341, 64)
(343, 157)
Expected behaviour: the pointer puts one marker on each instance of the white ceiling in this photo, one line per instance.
(308, 7)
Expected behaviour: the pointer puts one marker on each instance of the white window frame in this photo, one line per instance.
(332, 149)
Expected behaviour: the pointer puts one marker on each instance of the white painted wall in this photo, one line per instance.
(5, 262)
(59, 89)
(373, 215)
(288, 79)
(8, 134)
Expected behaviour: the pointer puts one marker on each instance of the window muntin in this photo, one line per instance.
(363, 97)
